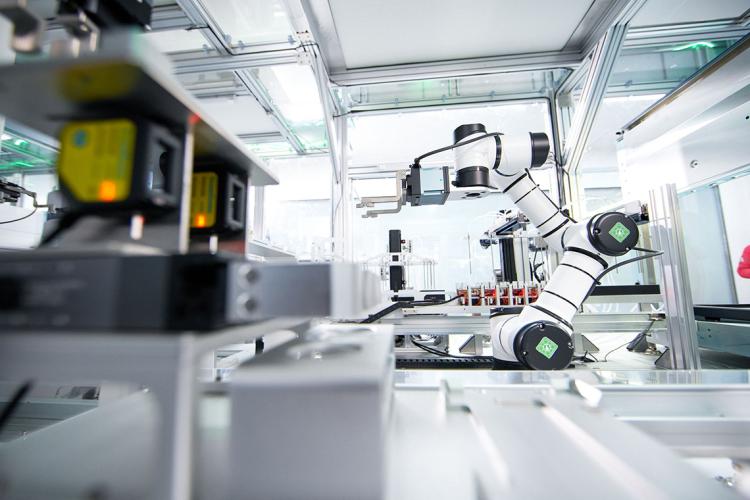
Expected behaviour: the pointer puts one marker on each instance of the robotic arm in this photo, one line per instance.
(540, 336)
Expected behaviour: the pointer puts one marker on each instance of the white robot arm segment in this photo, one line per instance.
(539, 337)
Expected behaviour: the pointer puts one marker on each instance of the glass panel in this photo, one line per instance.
(176, 40)
(271, 149)
(662, 67)
(709, 267)
(734, 206)
(598, 173)
(568, 98)
(293, 90)
(451, 90)
(251, 22)
(640, 77)
(19, 153)
(297, 211)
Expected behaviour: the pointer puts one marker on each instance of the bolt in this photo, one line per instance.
(251, 275)
(250, 304)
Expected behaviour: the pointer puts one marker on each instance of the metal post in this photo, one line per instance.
(666, 231)
(187, 183)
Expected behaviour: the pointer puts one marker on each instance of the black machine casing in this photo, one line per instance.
(79, 291)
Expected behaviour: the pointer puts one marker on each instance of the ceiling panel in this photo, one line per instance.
(247, 22)
(658, 12)
(240, 115)
(386, 32)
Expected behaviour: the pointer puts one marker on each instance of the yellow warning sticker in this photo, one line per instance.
(203, 199)
(96, 159)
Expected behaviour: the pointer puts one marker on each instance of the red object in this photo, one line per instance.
(744, 268)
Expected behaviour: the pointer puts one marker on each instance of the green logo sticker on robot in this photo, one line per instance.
(546, 347)
(619, 232)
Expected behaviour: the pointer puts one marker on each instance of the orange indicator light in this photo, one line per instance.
(200, 220)
(107, 190)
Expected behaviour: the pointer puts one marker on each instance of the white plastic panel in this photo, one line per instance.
(385, 32)
(657, 12)
(241, 115)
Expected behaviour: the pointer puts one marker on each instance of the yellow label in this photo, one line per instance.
(97, 82)
(96, 159)
(203, 199)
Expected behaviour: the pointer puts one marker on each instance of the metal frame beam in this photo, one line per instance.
(463, 67)
(169, 17)
(621, 13)
(187, 63)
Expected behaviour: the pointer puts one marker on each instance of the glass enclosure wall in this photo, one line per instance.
(716, 233)
(297, 212)
(641, 76)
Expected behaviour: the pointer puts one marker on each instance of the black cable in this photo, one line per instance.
(384, 312)
(650, 254)
(427, 303)
(20, 218)
(401, 305)
(586, 358)
(443, 354)
(15, 400)
(644, 332)
(454, 146)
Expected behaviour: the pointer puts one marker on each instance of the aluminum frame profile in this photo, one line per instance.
(463, 67)
(685, 32)
(676, 292)
(170, 17)
(199, 61)
(595, 86)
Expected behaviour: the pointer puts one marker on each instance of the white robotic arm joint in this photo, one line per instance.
(540, 336)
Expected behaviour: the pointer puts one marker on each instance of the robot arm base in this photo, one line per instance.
(537, 345)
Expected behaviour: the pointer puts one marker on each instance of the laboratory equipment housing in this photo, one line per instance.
(374, 249)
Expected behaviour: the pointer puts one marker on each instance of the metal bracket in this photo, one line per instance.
(398, 199)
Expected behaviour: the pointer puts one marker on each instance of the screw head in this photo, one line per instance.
(251, 275)
(250, 304)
